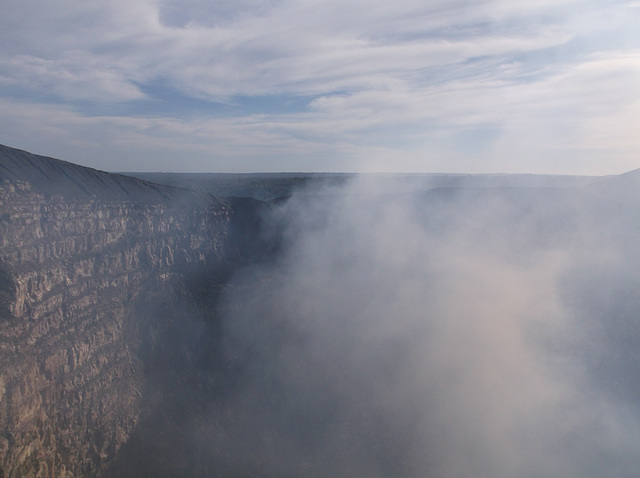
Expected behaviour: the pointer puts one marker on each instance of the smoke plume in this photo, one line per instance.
(440, 333)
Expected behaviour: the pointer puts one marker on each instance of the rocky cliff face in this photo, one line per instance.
(96, 270)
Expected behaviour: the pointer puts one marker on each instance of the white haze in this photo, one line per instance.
(471, 333)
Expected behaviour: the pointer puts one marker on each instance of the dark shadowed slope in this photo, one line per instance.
(626, 182)
(53, 176)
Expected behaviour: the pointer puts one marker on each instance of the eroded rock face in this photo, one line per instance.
(89, 286)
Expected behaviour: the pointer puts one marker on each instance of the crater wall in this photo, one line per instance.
(82, 277)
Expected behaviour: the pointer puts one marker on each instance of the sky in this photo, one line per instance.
(461, 86)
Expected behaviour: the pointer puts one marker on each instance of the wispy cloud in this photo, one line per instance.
(405, 77)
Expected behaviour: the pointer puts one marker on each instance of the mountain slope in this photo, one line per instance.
(53, 176)
(101, 300)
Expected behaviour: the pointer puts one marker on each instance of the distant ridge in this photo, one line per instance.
(628, 180)
(53, 176)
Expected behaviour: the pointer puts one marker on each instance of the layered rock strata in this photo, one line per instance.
(86, 261)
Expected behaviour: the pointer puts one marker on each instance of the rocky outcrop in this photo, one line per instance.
(95, 269)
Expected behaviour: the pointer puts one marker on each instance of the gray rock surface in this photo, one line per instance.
(87, 259)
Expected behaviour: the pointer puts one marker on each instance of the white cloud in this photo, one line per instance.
(72, 77)
(291, 47)
(403, 79)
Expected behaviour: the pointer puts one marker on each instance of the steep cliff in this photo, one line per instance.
(96, 270)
